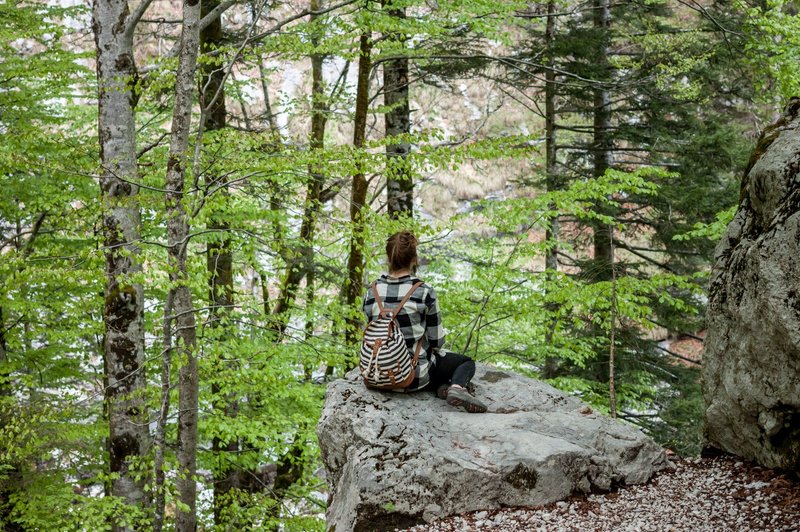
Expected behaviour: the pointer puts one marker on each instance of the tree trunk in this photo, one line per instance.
(551, 236)
(612, 387)
(358, 194)
(177, 240)
(551, 260)
(12, 472)
(219, 261)
(602, 145)
(299, 264)
(275, 193)
(124, 301)
(160, 439)
(5, 374)
(399, 181)
(7, 487)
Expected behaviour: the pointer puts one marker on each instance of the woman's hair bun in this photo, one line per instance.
(401, 250)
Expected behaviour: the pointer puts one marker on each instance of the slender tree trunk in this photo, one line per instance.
(271, 117)
(177, 240)
(13, 475)
(6, 400)
(160, 440)
(124, 299)
(300, 264)
(602, 151)
(264, 282)
(551, 259)
(275, 194)
(5, 373)
(358, 194)
(288, 471)
(219, 261)
(212, 91)
(308, 368)
(399, 181)
(602, 146)
(612, 388)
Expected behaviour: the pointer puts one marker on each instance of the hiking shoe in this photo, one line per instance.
(441, 391)
(458, 396)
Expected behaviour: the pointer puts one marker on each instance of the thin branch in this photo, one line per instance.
(136, 16)
(152, 145)
(623, 245)
(676, 355)
(214, 13)
(301, 14)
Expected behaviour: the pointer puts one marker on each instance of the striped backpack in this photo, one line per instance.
(385, 362)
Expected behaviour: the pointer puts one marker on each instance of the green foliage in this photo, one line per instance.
(262, 388)
(50, 274)
(713, 230)
(773, 46)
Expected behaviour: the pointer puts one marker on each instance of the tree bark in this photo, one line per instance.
(397, 121)
(5, 374)
(612, 387)
(124, 300)
(160, 439)
(551, 260)
(358, 193)
(602, 146)
(551, 180)
(13, 475)
(177, 241)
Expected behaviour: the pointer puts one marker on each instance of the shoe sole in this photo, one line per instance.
(458, 398)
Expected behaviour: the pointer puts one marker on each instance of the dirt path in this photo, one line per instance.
(709, 494)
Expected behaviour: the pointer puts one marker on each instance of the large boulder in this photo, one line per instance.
(751, 363)
(395, 460)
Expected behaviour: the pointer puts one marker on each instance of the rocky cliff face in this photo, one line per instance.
(751, 364)
(396, 460)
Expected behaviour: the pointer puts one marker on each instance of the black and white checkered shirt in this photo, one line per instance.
(419, 319)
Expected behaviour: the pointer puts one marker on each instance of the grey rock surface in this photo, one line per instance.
(396, 460)
(751, 362)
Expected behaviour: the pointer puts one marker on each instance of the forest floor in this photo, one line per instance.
(703, 494)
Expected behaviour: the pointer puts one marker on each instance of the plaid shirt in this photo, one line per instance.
(419, 319)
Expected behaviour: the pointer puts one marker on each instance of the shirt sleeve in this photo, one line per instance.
(366, 306)
(434, 331)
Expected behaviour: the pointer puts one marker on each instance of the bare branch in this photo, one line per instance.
(676, 355)
(301, 14)
(214, 13)
(136, 17)
(152, 145)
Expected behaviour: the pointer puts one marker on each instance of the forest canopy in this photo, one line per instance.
(196, 194)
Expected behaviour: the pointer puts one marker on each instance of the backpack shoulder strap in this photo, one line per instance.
(407, 296)
(377, 297)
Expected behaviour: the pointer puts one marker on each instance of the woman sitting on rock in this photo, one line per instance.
(419, 320)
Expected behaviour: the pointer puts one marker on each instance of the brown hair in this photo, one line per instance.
(401, 250)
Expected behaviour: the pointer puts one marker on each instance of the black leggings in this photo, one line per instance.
(451, 368)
